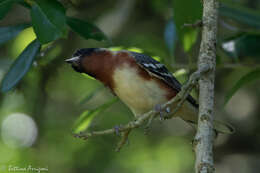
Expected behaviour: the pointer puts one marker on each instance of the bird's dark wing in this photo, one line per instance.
(158, 70)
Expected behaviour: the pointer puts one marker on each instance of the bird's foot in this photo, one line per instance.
(163, 113)
(80, 135)
(117, 129)
(158, 108)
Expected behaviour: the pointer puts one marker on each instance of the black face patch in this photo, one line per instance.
(77, 68)
(75, 63)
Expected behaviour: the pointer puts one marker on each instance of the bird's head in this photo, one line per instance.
(80, 57)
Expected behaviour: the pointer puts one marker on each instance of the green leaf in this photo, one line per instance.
(9, 32)
(186, 11)
(85, 119)
(240, 14)
(246, 79)
(48, 20)
(189, 39)
(242, 45)
(21, 66)
(86, 29)
(5, 6)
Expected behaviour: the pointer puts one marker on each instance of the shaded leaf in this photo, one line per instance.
(24, 4)
(240, 14)
(20, 66)
(242, 45)
(186, 11)
(170, 36)
(9, 32)
(246, 79)
(86, 29)
(85, 119)
(5, 6)
(48, 20)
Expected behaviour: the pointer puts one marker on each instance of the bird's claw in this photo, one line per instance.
(80, 135)
(163, 113)
(117, 129)
(158, 108)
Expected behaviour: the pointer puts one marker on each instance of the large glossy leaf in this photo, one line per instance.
(86, 29)
(85, 119)
(186, 11)
(48, 20)
(240, 14)
(9, 32)
(249, 77)
(21, 66)
(242, 45)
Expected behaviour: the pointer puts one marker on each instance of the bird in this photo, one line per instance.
(138, 80)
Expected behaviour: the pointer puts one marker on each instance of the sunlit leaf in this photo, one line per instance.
(85, 29)
(180, 72)
(246, 79)
(21, 66)
(9, 32)
(242, 45)
(20, 42)
(48, 20)
(186, 12)
(189, 39)
(240, 14)
(85, 119)
(170, 36)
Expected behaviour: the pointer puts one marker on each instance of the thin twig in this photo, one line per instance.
(123, 140)
(197, 24)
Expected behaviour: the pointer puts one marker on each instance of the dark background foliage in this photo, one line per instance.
(43, 100)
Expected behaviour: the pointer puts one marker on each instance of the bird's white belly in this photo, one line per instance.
(139, 94)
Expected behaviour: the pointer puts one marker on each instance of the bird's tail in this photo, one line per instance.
(222, 127)
(190, 114)
(219, 127)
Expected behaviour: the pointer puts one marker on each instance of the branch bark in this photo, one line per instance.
(204, 138)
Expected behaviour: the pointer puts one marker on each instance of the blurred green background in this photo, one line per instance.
(37, 116)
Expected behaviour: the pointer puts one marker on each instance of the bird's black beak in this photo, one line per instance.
(75, 63)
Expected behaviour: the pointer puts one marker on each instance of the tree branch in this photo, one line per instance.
(207, 57)
(174, 104)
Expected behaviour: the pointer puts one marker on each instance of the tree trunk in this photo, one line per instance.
(204, 138)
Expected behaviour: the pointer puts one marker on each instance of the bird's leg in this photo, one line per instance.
(158, 108)
(162, 112)
(167, 111)
(117, 129)
(80, 135)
